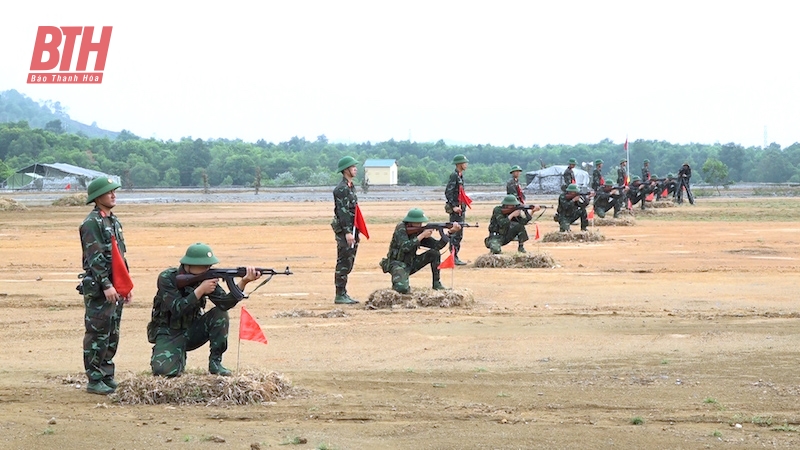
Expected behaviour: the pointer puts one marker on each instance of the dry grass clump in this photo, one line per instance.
(304, 313)
(580, 236)
(627, 221)
(450, 298)
(71, 200)
(9, 204)
(663, 203)
(246, 388)
(516, 260)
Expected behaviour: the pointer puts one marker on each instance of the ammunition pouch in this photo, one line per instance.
(152, 330)
(556, 217)
(88, 286)
(448, 209)
(384, 265)
(336, 227)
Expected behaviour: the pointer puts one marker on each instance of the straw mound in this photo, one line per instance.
(450, 298)
(644, 212)
(195, 387)
(71, 200)
(664, 203)
(9, 204)
(516, 260)
(580, 236)
(627, 221)
(303, 313)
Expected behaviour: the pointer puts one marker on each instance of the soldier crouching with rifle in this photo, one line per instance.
(608, 197)
(571, 207)
(409, 235)
(508, 224)
(179, 323)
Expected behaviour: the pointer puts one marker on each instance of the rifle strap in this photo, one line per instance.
(266, 280)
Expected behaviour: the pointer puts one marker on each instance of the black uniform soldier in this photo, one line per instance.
(684, 175)
(343, 224)
(670, 185)
(568, 177)
(513, 187)
(508, 224)
(403, 260)
(571, 207)
(607, 197)
(103, 304)
(455, 206)
(597, 175)
(179, 322)
(646, 170)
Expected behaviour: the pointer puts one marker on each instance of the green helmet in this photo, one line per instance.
(608, 183)
(670, 175)
(458, 159)
(345, 162)
(652, 175)
(598, 162)
(199, 254)
(635, 178)
(510, 200)
(99, 187)
(573, 161)
(515, 169)
(623, 161)
(572, 188)
(646, 161)
(415, 215)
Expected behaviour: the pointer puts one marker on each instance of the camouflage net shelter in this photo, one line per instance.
(548, 180)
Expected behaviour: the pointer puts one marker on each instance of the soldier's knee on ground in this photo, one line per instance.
(402, 288)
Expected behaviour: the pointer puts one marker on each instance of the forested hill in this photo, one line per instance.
(193, 162)
(15, 107)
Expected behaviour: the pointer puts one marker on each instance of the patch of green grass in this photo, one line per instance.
(48, 431)
(409, 370)
(709, 400)
(324, 446)
(664, 362)
(187, 438)
(637, 420)
(717, 433)
(503, 394)
(297, 440)
(439, 385)
(786, 428)
(481, 369)
(761, 421)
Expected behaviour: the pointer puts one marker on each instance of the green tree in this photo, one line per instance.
(715, 173)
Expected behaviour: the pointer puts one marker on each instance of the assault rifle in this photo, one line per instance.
(441, 226)
(188, 279)
(508, 209)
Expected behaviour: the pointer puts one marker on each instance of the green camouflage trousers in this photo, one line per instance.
(101, 338)
(345, 258)
(400, 271)
(169, 351)
(455, 238)
(516, 232)
(564, 222)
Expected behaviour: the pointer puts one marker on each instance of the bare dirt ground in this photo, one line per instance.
(666, 335)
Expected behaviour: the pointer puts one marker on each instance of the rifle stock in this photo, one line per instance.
(188, 279)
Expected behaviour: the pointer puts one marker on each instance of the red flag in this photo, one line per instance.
(650, 197)
(664, 192)
(120, 277)
(591, 215)
(602, 181)
(69, 186)
(359, 224)
(463, 198)
(249, 330)
(519, 195)
(626, 143)
(536, 236)
(450, 262)
(630, 205)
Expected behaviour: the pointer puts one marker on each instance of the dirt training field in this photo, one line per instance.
(678, 332)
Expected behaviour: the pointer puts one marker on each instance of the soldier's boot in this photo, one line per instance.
(600, 213)
(98, 387)
(344, 299)
(215, 367)
(437, 285)
(459, 262)
(109, 381)
(521, 249)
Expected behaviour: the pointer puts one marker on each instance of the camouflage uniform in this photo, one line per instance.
(622, 174)
(513, 188)
(451, 196)
(503, 230)
(646, 173)
(684, 175)
(639, 190)
(597, 179)
(569, 211)
(605, 199)
(102, 318)
(402, 261)
(344, 212)
(568, 178)
(179, 324)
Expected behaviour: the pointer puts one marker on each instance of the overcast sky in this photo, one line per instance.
(523, 73)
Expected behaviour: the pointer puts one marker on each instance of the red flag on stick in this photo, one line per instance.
(591, 215)
(536, 236)
(450, 262)
(120, 277)
(69, 186)
(360, 224)
(664, 192)
(463, 198)
(249, 330)
(626, 144)
(650, 197)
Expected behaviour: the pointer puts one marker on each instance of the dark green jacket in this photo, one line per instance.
(403, 247)
(96, 231)
(344, 207)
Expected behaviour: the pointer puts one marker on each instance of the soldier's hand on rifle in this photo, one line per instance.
(515, 213)
(112, 296)
(351, 240)
(456, 227)
(252, 275)
(536, 208)
(425, 234)
(206, 287)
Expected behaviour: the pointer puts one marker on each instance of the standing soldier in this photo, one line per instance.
(646, 170)
(102, 301)
(403, 260)
(622, 173)
(343, 224)
(568, 177)
(684, 175)
(597, 175)
(457, 201)
(513, 187)
(508, 224)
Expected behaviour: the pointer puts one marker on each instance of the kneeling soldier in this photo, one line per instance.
(608, 196)
(508, 224)
(179, 323)
(571, 207)
(403, 260)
